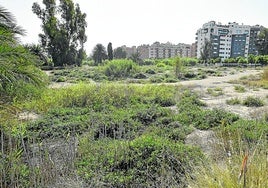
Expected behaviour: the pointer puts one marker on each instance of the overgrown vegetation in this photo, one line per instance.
(115, 134)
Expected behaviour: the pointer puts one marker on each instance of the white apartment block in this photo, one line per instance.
(230, 40)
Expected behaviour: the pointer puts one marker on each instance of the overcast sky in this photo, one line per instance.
(135, 22)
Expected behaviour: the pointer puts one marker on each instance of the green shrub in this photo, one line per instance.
(161, 64)
(120, 68)
(150, 71)
(140, 76)
(157, 79)
(191, 113)
(253, 102)
(189, 75)
(145, 161)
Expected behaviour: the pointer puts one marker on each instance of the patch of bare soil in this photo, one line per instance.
(228, 92)
(28, 116)
(207, 140)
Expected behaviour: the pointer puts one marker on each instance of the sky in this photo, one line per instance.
(136, 22)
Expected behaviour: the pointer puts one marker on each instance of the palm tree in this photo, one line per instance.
(99, 54)
(8, 23)
(17, 64)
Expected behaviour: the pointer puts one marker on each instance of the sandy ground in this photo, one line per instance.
(229, 92)
(206, 139)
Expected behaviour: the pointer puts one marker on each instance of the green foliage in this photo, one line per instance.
(99, 97)
(191, 113)
(120, 69)
(136, 57)
(262, 42)
(39, 52)
(251, 101)
(18, 67)
(110, 51)
(64, 27)
(239, 89)
(119, 53)
(233, 101)
(187, 61)
(206, 51)
(236, 139)
(251, 59)
(215, 92)
(99, 54)
(250, 131)
(145, 161)
(178, 66)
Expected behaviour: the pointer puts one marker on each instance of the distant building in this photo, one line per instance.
(193, 50)
(167, 50)
(232, 40)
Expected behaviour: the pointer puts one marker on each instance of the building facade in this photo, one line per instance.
(231, 40)
(167, 50)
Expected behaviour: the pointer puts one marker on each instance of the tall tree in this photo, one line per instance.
(262, 42)
(99, 54)
(119, 53)
(64, 27)
(206, 51)
(110, 51)
(136, 57)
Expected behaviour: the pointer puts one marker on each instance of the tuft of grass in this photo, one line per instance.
(215, 92)
(251, 101)
(236, 140)
(233, 101)
(239, 89)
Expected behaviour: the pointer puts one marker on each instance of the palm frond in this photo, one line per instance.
(8, 21)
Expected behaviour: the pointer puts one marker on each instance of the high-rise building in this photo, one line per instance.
(231, 40)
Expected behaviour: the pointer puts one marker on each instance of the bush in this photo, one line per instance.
(145, 161)
(120, 68)
(161, 65)
(189, 75)
(253, 102)
(192, 113)
(140, 76)
(150, 71)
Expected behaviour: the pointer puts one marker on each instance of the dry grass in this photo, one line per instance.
(234, 168)
(265, 74)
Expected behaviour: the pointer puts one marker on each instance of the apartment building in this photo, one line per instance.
(166, 50)
(231, 40)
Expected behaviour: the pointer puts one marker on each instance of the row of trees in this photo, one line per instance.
(251, 59)
(99, 54)
(63, 36)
